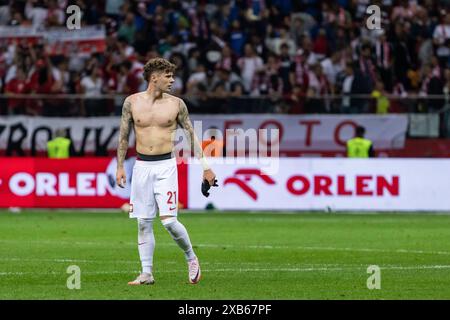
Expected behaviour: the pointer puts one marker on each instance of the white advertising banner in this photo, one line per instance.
(316, 132)
(59, 40)
(326, 184)
(296, 133)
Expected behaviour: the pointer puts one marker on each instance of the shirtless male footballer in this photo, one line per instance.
(154, 114)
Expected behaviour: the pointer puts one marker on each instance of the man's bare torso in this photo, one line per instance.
(154, 122)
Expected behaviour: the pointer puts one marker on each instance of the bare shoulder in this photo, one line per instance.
(174, 99)
(132, 97)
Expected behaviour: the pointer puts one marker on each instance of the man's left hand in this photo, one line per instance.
(209, 180)
(209, 176)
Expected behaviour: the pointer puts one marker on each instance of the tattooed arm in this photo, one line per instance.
(185, 122)
(126, 123)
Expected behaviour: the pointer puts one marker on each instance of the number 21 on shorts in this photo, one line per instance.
(172, 200)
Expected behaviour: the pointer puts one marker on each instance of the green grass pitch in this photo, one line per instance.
(243, 256)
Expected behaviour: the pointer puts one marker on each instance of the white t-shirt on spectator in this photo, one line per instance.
(248, 66)
(90, 87)
(314, 83)
(197, 77)
(11, 73)
(121, 81)
(347, 89)
(76, 62)
(129, 50)
(274, 44)
(59, 75)
(5, 15)
(37, 15)
(442, 34)
(331, 70)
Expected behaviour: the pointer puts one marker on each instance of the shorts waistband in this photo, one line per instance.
(155, 157)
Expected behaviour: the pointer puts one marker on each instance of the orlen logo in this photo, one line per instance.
(49, 184)
(322, 185)
(362, 185)
(242, 176)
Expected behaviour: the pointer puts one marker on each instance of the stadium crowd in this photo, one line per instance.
(281, 56)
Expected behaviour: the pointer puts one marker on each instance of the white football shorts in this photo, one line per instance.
(154, 187)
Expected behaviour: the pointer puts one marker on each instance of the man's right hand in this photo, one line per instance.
(121, 178)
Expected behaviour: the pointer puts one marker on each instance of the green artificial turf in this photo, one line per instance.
(242, 255)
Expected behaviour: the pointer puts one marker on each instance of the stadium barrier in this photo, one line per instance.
(295, 185)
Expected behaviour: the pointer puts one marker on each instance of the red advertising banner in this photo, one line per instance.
(68, 183)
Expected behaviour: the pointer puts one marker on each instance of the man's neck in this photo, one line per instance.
(153, 93)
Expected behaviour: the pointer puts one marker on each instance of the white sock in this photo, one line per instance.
(180, 235)
(146, 244)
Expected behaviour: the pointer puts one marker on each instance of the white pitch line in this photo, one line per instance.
(392, 267)
(324, 248)
(99, 261)
(314, 248)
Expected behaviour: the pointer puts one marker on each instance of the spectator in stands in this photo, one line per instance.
(41, 82)
(318, 86)
(257, 42)
(296, 100)
(320, 44)
(237, 101)
(260, 84)
(229, 79)
(383, 58)
(60, 74)
(286, 68)
(366, 66)
(197, 77)
(281, 37)
(17, 85)
(227, 59)
(200, 26)
(249, 64)
(128, 28)
(193, 59)
(237, 38)
(401, 56)
(132, 80)
(433, 86)
(55, 16)
(37, 12)
(331, 67)
(5, 12)
(441, 39)
(346, 90)
(210, 81)
(381, 98)
(112, 8)
(91, 86)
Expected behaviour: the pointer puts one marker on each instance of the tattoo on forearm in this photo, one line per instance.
(185, 122)
(126, 123)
